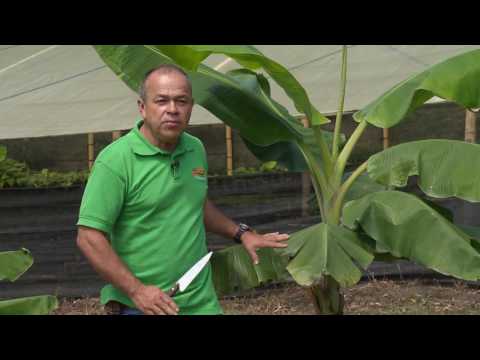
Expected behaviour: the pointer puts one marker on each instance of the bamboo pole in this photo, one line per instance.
(228, 139)
(306, 181)
(386, 138)
(116, 135)
(470, 126)
(91, 150)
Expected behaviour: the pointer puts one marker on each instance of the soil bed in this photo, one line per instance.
(376, 297)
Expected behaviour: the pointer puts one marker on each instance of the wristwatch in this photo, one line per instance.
(242, 228)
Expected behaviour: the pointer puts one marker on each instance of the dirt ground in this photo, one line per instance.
(366, 298)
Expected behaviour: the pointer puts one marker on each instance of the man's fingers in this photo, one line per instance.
(271, 234)
(274, 244)
(149, 312)
(158, 310)
(162, 308)
(168, 305)
(253, 256)
(171, 303)
(276, 237)
(169, 310)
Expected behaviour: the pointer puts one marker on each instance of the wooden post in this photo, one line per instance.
(91, 150)
(470, 126)
(228, 138)
(386, 138)
(306, 181)
(116, 135)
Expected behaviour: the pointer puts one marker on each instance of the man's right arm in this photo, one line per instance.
(96, 248)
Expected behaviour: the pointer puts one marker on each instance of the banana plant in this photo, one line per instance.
(362, 215)
(12, 265)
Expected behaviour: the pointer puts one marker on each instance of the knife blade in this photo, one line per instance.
(191, 274)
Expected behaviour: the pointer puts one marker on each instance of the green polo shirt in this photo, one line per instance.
(152, 213)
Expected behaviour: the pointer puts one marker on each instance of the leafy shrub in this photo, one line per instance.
(16, 174)
(270, 166)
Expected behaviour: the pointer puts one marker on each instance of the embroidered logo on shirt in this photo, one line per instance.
(198, 171)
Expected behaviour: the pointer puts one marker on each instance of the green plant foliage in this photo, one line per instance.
(34, 305)
(326, 249)
(420, 234)
(16, 174)
(455, 79)
(437, 163)
(233, 269)
(268, 167)
(12, 265)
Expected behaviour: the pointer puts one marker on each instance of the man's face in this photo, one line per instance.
(168, 106)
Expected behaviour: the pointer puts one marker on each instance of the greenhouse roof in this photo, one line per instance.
(51, 90)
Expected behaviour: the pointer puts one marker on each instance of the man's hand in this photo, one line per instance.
(152, 301)
(253, 241)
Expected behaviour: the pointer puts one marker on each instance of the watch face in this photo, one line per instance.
(242, 228)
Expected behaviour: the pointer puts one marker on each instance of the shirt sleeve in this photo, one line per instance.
(102, 199)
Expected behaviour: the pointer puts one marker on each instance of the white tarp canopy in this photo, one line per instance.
(50, 90)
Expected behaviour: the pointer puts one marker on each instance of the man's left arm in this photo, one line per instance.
(218, 223)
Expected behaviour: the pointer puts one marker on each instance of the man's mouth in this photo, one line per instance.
(172, 123)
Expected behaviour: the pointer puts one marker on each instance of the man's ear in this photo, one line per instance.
(141, 106)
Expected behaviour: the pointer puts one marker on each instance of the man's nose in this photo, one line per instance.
(172, 106)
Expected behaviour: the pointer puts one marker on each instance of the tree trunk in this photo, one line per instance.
(326, 297)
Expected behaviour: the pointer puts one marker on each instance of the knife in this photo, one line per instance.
(188, 277)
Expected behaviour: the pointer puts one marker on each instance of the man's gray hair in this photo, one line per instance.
(164, 68)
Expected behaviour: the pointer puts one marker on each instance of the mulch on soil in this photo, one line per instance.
(367, 298)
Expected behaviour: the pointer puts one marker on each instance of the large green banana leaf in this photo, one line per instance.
(408, 228)
(14, 263)
(455, 79)
(3, 153)
(445, 212)
(445, 168)
(287, 154)
(240, 98)
(362, 186)
(190, 56)
(35, 305)
(233, 101)
(326, 249)
(233, 269)
(473, 232)
(379, 252)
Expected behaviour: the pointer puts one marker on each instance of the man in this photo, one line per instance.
(144, 211)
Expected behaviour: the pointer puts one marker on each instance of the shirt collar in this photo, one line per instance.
(141, 146)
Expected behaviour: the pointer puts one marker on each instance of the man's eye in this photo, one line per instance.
(161, 101)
